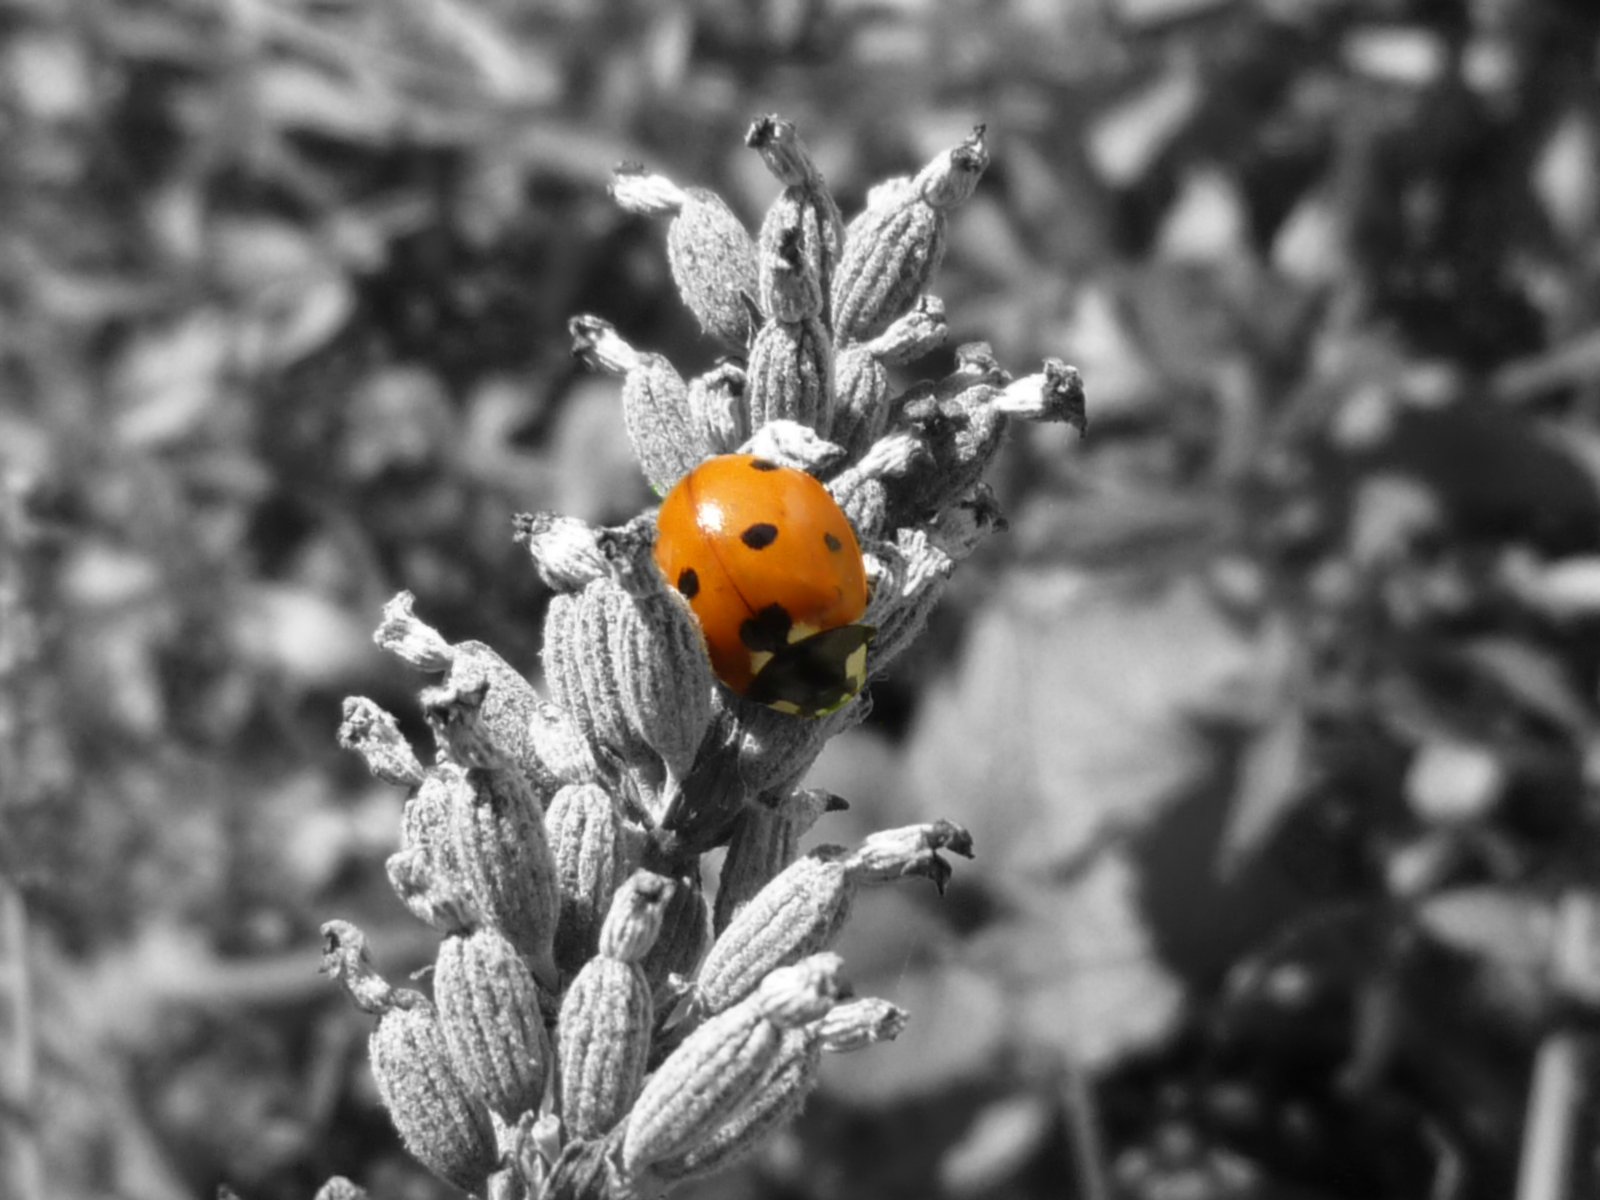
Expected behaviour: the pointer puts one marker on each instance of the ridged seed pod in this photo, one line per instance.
(805, 206)
(798, 913)
(893, 248)
(626, 658)
(444, 1126)
(426, 873)
(655, 401)
(790, 376)
(493, 1027)
(586, 841)
(806, 904)
(603, 1036)
(498, 837)
(718, 1067)
(773, 1102)
(765, 840)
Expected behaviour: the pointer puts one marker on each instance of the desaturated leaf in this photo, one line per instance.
(170, 378)
(1066, 716)
(1080, 969)
(1532, 678)
(999, 1142)
(1515, 929)
(1126, 139)
(294, 96)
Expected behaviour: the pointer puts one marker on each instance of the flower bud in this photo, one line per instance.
(765, 840)
(445, 1127)
(493, 1027)
(604, 1031)
(586, 842)
(804, 907)
(498, 839)
(374, 734)
(805, 207)
(627, 659)
(655, 402)
(790, 376)
(857, 1024)
(718, 1067)
(798, 913)
(893, 248)
(713, 261)
(425, 872)
(476, 677)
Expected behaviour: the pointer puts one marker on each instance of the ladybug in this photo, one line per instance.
(772, 569)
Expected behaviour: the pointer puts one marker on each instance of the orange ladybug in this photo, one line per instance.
(772, 569)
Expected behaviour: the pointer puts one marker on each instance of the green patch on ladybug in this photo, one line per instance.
(816, 675)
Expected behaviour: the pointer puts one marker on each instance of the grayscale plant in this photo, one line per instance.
(600, 1027)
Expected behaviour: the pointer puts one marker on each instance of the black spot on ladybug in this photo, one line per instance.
(763, 464)
(688, 583)
(767, 630)
(832, 542)
(760, 535)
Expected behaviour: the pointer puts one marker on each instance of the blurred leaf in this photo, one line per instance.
(1079, 969)
(1066, 715)
(170, 379)
(1272, 776)
(1531, 677)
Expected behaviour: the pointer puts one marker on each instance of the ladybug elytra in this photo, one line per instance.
(772, 569)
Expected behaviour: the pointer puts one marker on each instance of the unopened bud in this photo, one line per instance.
(498, 839)
(374, 734)
(712, 258)
(493, 1027)
(586, 842)
(604, 1031)
(655, 401)
(893, 248)
(445, 1127)
(719, 1066)
(410, 639)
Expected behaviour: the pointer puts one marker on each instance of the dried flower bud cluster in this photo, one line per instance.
(601, 1024)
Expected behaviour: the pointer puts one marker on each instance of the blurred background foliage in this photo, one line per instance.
(1274, 713)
